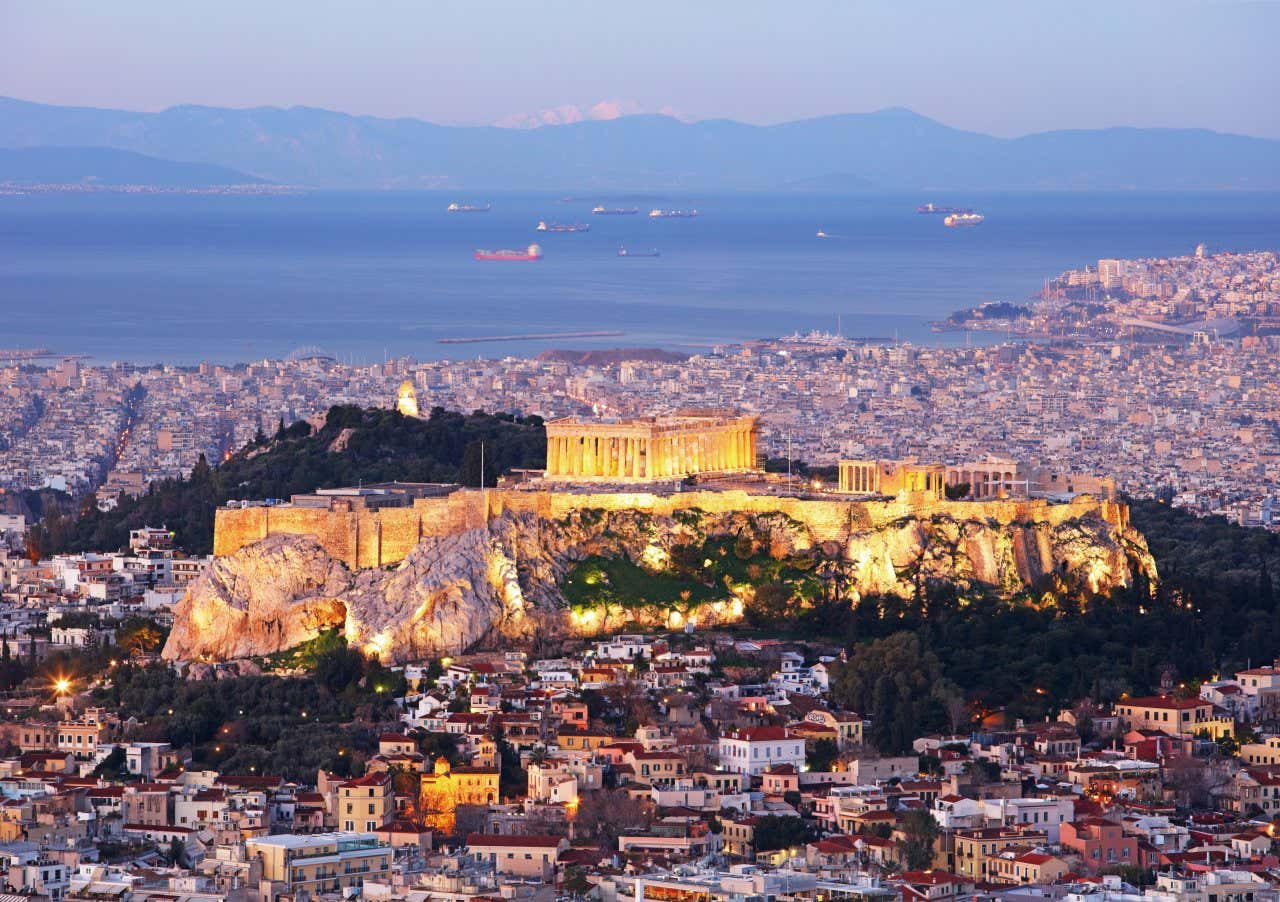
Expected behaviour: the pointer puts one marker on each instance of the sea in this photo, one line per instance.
(366, 276)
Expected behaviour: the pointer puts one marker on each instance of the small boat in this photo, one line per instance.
(821, 234)
(544, 226)
(623, 252)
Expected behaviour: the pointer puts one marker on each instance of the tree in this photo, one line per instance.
(695, 742)
(775, 832)
(140, 636)
(920, 832)
(953, 704)
(823, 754)
(469, 470)
(338, 668)
(771, 604)
(1196, 782)
(891, 679)
(112, 766)
(606, 814)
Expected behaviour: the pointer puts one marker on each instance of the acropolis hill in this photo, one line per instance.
(407, 571)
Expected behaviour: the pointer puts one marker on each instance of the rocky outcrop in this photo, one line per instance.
(500, 584)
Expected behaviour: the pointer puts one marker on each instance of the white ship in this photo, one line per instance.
(963, 219)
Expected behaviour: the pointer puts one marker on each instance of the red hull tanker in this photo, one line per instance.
(532, 252)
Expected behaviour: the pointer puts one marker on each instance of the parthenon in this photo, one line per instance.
(686, 443)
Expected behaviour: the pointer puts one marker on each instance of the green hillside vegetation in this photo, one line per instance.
(937, 660)
(267, 724)
(373, 445)
(698, 573)
(934, 664)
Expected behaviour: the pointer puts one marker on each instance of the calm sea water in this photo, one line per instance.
(180, 278)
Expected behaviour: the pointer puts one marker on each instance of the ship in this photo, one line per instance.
(602, 210)
(623, 252)
(963, 219)
(672, 214)
(469, 208)
(544, 226)
(821, 234)
(532, 252)
(940, 210)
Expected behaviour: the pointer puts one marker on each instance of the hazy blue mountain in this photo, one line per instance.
(888, 149)
(108, 166)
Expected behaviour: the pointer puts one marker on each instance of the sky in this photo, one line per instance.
(1005, 68)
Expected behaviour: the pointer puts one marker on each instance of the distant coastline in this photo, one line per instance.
(530, 336)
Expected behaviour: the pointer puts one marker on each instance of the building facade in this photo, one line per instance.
(758, 749)
(687, 443)
(319, 862)
(891, 477)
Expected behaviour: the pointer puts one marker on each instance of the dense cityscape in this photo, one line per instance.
(717, 452)
(1186, 414)
(671, 764)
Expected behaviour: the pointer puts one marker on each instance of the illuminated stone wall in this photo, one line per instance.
(364, 539)
(650, 448)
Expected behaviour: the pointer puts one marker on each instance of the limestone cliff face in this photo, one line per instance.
(284, 592)
(500, 583)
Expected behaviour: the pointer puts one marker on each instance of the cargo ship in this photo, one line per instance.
(544, 226)
(602, 210)
(623, 252)
(532, 252)
(963, 219)
(940, 210)
(469, 208)
(672, 214)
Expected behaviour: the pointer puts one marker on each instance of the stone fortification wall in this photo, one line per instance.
(370, 539)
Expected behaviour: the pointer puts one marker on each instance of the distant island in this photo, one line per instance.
(887, 150)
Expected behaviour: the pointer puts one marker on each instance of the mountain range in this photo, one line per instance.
(108, 166)
(891, 149)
